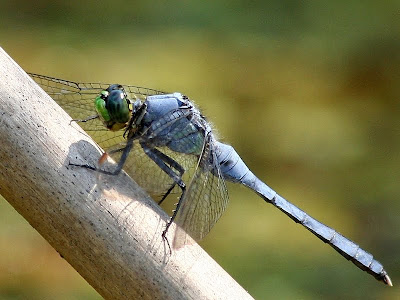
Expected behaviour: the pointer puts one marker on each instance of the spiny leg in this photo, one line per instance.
(167, 193)
(160, 160)
(84, 120)
(172, 163)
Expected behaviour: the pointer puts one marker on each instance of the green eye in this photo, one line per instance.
(112, 107)
(100, 105)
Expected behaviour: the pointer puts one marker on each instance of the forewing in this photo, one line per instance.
(77, 99)
(204, 200)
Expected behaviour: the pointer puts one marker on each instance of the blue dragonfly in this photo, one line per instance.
(167, 146)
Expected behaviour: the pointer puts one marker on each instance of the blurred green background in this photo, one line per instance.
(306, 91)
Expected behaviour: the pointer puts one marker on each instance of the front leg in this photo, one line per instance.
(125, 152)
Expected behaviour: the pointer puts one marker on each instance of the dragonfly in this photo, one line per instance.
(167, 146)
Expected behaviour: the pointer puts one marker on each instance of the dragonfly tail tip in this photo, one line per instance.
(387, 280)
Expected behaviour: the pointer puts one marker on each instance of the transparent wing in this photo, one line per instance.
(77, 99)
(151, 177)
(205, 199)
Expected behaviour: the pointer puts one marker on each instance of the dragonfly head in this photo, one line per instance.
(113, 107)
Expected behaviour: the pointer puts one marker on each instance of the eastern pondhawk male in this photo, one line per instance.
(166, 145)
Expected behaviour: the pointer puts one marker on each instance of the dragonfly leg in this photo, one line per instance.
(125, 152)
(172, 163)
(167, 193)
(161, 160)
(84, 120)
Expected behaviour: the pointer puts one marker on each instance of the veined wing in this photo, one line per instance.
(149, 175)
(204, 189)
(205, 199)
(77, 99)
